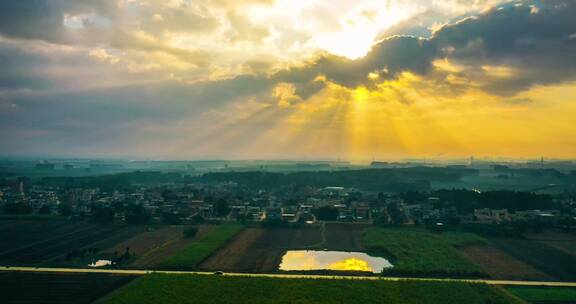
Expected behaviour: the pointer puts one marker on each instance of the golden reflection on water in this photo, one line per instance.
(332, 260)
(351, 264)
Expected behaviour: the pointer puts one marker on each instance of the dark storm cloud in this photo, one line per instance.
(389, 57)
(538, 44)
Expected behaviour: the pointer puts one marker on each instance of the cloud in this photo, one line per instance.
(535, 45)
(43, 19)
(504, 50)
(386, 59)
(215, 75)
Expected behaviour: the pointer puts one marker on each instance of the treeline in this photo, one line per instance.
(535, 173)
(466, 200)
(388, 180)
(113, 181)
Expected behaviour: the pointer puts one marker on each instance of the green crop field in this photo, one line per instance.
(162, 288)
(462, 239)
(545, 294)
(200, 249)
(419, 252)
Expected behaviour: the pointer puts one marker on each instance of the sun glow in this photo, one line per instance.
(359, 29)
(352, 44)
(411, 116)
(348, 29)
(351, 264)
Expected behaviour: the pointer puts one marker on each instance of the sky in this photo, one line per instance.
(287, 79)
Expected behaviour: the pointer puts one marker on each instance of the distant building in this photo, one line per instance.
(306, 208)
(273, 214)
(547, 216)
(289, 213)
(362, 212)
(491, 216)
(334, 191)
(238, 211)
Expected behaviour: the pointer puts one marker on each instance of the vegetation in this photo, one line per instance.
(199, 250)
(102, 214)
(171, 218)
(190, 232)
(17, 208)
(57, 242)
(326, 213)
(33, 217)
(545, 294)
(110, 182)
(69, 288)
(137, 215)
(162, 288)
(391, 179)
(65, 209)
(468, 200)
(463, 239)
(222, 208)
(419, 252)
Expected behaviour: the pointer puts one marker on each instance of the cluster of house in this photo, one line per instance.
(423, 212)
(260, 205)
(499, 216)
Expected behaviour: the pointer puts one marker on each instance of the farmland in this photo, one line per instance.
(172, 242)
(502, 266)
(161, 288)
(556, 263)
(346, 237)
(27, 287)
(543, 295)
(201, 248)
(261, 250)
(413, 252)
(418, 252)
(41, 242)
(142, 244)
(563, 241)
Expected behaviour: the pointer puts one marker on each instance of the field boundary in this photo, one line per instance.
(301, 276)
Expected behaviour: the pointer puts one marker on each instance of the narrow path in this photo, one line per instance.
(322, 244)
(300, 276)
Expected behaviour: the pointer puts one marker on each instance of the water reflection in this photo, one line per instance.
(332, 260)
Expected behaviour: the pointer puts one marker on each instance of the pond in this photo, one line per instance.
(332, 260)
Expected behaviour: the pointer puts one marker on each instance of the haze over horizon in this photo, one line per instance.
(282, 79)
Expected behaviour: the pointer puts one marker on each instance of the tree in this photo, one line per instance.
(170, 218)
(397, 216)
(190, 232)
(45, 209)
(101, 214)
(17, 208)
(65, 209)
(137, 215)
(197, 219)
(326, 213)
(118, 207)
(222, 208)
(127, 254)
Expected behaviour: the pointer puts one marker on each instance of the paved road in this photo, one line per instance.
(305, 276)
